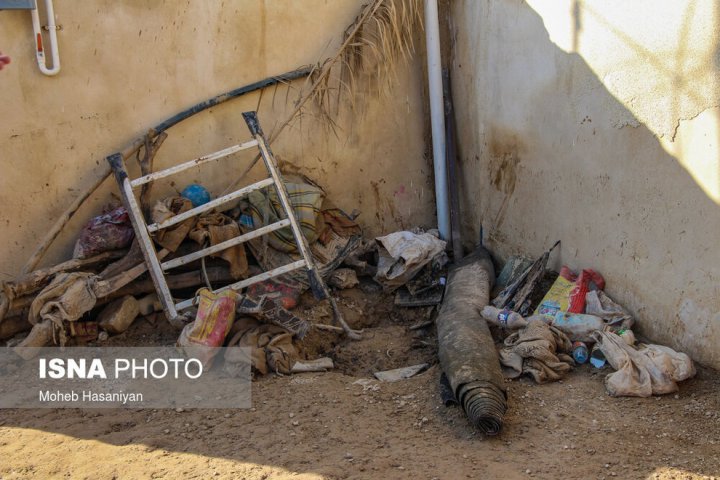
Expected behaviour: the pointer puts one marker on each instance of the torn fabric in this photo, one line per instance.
(216, 228)
(265, 209)
(272, 347)
(538, 350)
(67, 298)
(171, 237)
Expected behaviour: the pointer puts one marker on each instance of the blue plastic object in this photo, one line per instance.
(597, 357)
(18, 5)
(197, 194)
(580, 352)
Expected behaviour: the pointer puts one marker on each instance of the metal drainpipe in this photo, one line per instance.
(437, 112)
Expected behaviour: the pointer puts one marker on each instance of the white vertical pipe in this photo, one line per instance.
(437, 116)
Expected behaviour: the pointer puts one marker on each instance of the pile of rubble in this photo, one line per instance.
(106, 286)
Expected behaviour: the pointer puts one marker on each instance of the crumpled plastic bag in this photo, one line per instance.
(110, 231)
(582, 285)
(215, 317)
(677, 364)
(599, 304)
(537, 350)
(402, 255)
(651, 370)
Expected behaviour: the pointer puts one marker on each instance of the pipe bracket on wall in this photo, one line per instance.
(52, 29)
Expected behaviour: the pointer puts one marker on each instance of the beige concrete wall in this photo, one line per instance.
(128, 65)
(596, 122)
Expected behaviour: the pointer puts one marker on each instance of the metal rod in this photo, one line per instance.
(283, 196)
(210, 205)
(192, 163)
(147, 248)
(317, 284)
(451, 167)
(437, 120)
(184, 260)
(250, 281)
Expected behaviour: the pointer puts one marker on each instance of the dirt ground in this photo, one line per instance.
(343, 424)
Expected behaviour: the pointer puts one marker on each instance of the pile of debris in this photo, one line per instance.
(106, 286)
(575, 322)
(541, 326)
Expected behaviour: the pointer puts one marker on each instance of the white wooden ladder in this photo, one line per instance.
(144, 231)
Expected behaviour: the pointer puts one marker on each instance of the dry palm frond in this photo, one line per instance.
(380, 36)
(375, 41)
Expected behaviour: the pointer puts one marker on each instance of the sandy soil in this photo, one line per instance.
(343, 424)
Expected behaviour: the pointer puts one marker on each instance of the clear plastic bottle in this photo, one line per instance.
(503, 318)
(578, 326)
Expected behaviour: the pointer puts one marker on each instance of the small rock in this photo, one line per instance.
(295, 423)
(291, 415)
(166, 431)
(179, 410)
(118, 315)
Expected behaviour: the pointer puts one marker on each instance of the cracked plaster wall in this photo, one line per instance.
(596, 122)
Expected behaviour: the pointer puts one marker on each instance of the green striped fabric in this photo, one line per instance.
(265, 208)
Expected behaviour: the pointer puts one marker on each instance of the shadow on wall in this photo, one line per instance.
(685, 74)
(549, 153)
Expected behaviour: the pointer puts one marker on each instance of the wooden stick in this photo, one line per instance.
(60, 223)
(327, 66)
(451, 167)
(333, 328)
(104, 288)
(131, 258)
(146, 165)
(322, 364)
(35, 280)
(218, 274)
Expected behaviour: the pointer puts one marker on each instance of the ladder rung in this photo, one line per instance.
(249, 281)
(192, 163)
(184, 260)
(210, 205)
